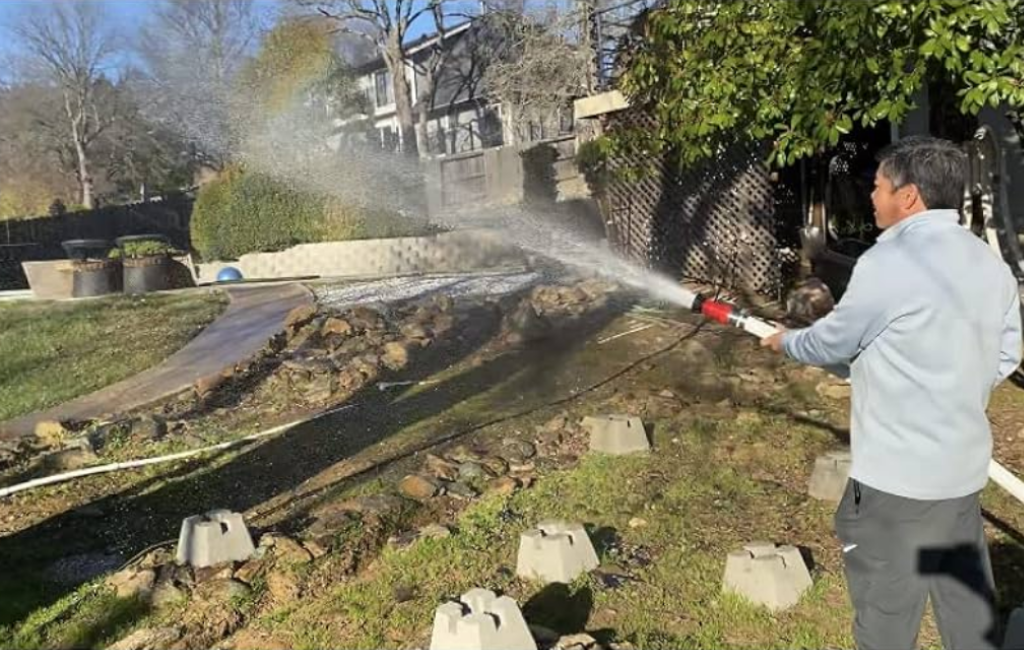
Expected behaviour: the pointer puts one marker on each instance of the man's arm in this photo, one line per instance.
(1010, 348)
(859, 317)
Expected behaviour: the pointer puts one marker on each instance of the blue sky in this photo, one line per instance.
(124, 13)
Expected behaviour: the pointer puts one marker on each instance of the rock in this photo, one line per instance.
(283, 587)
(222, 590)
(524, 324)
(209, 573)
(749, 419)
(834, 391)
(521, 448)
(374, 505)
(557, 424)
(471, 469)
(460, 490)
(285, 550)
(696, 354)
(131, 582)
(543, 635)
(250, 571)
(148, 427)
(205, 386)
(435, 531)
(159, 557)
(444, 302)
(51, 432)
(443, 323)
(461, 454)
(166, 593)
(404, 593)
(351, 380)
(319, 389)
(513, 457)
(494, 465)
(70, 459)
(440, 468)
(504, 485)
(403, 539)
(551, 438)
(667, 394)
(315, 549)
(573, 640)
(336, 327)
(155, 638)
(396, 355)
(299, 316)
(365, 319)
(414, 331)
(419, 488)
(810, 301)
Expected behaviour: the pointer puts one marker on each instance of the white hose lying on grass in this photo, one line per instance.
(132, 464)
(1006, 480)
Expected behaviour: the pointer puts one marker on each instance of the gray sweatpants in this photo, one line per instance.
(899, 551)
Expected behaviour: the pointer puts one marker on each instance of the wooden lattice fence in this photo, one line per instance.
(726, 221)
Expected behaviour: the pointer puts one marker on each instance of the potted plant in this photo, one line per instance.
(146, 261)
(93, 272)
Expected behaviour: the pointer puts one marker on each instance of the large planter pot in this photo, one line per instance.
(95, 278)
(145, 274)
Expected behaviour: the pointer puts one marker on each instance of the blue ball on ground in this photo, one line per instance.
(229, 274)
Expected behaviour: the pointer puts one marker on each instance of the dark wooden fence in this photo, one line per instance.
(40, 239)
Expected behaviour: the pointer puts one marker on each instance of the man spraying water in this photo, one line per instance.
(929, 325)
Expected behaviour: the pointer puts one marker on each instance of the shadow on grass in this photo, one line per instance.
(134, 519)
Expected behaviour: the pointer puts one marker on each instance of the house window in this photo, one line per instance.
(384, 90)
(388, 139)
(490, 129)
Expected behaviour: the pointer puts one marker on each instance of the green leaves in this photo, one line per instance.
(801, 73)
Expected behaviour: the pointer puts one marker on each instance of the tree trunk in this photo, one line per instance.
(423, 106)
(77, 119)
(84, 178)
(395, 59)
(421, 133)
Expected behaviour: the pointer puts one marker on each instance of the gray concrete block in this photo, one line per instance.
(616, 434)
(216, 537)
(555, 551)
(480, 620)
(828, 480)
(1014, 639)
(775, 577)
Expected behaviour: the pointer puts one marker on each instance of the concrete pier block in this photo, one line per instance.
(764, 574)
(828, 480)
(480, 620)
(616, 434)
(1014, 638)
(555, 551)
(216, 537)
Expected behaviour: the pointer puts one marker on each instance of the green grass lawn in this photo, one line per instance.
(54, 352)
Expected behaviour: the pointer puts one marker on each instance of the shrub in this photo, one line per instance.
(142, 248)
(247, 212)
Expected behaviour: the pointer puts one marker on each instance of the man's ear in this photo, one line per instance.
(909, 196)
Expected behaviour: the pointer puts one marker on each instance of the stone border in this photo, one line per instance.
(453, 252)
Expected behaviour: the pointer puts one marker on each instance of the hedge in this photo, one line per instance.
(249, 212)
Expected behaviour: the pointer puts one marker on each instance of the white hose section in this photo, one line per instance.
(1006, 480)
(132, 464)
